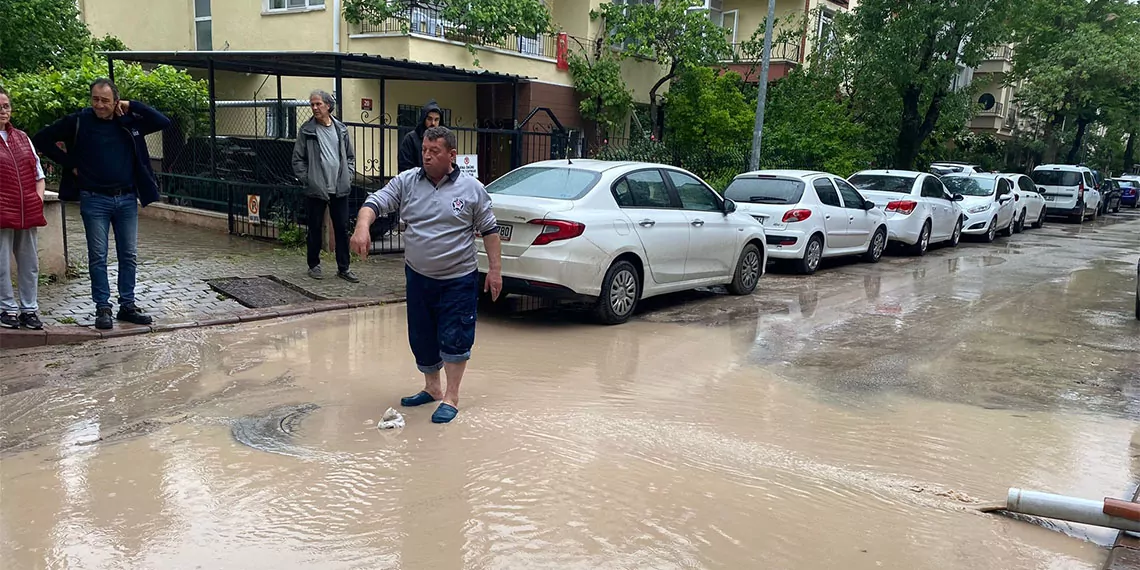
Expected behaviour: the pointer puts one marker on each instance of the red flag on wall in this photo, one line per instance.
(563, 50)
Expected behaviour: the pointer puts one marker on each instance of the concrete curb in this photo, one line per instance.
(52, 336)
(1125, 553)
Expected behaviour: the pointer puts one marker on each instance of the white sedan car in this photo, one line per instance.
(810, 215)
(618, 232)
(988, 202)
(1028, 203)
(920, 210)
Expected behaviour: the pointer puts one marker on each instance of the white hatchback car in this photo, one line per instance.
(1028, 203)
(920, 210)
(1069, 191)
(944, 168)
(618, 232)
(810, 215)
(988, 201)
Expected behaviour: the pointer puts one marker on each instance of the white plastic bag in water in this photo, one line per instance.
(391, 420)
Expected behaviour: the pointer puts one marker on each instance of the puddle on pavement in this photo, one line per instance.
(577, 447)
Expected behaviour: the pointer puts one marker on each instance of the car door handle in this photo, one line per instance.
(698, 223)
(647, 223)
(851, 219)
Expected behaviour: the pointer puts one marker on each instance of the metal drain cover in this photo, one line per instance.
(261, 292)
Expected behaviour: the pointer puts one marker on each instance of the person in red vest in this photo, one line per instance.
(21, 212)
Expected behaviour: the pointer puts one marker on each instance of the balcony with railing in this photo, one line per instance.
(429, 22)
(753, 53)
(1000, 60)
(998, 110)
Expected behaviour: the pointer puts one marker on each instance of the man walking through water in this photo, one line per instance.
(441, 205)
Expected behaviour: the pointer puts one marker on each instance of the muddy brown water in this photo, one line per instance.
(853, 419)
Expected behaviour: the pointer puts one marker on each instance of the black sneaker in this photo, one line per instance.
(348, 276)
(132, 314)
(9, 320)
(31, 321)
(103, 320)
(315, 272)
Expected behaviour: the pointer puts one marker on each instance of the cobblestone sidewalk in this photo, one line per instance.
(175, 261)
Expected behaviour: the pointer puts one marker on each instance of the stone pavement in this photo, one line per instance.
(175, 261)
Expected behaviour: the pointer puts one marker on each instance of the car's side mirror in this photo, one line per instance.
(868, 205)
(1005, 198)
(729, 206)
(957, 197)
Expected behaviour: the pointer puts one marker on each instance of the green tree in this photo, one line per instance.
(899, 62)
(706, 110)
(37, 34)
(1072, 60)
(605, 98)
(669, 32)
(42, 97)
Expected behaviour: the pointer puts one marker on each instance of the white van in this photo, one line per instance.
(1069, 190)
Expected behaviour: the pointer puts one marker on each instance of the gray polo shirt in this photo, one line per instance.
(442, 220)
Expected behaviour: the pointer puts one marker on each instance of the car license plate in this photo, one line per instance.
(505, 232)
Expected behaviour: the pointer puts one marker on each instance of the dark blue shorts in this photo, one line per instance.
(441, 318)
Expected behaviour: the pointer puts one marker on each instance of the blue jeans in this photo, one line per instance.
(441, 318)
(120, 213)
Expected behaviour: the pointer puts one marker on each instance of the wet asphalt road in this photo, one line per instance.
(854, 418)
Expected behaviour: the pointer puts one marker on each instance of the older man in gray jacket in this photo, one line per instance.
(324, 160)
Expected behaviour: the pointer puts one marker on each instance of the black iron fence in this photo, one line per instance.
(429, 21)
(247, 176)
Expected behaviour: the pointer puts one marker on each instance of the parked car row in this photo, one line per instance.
(614, 233)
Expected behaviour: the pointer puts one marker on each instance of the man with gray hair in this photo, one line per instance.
(443, 208)
(324, 160)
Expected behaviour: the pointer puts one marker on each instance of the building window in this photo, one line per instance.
(826, 32)
(203, 26)
(281, 5)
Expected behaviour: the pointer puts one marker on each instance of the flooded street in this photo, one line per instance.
(855, 419)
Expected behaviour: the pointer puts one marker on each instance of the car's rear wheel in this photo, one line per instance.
(1008, 230)
(1040, 219)
(813, 252)
(875, 248)
(621, 290)
(956, 237)
(919, 248)
(748, 271)
(1020, 226)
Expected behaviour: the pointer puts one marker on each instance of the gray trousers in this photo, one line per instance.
(22, 243)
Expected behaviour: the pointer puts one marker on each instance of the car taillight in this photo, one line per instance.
(904, 207)
(1081, 191)
(556, 230)
(800, 215)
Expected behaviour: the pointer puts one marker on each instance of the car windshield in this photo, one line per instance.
(545, 182)
(883, 183)
(765, 190)
(968, 186)
(1057, 177)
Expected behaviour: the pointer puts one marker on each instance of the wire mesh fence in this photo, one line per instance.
(716, 165)
(247, 175)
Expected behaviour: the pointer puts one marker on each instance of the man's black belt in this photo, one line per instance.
(116, 191)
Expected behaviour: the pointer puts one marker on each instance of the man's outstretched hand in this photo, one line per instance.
(361, 242)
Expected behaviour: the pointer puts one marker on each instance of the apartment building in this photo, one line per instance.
(743, 18)
(998, 114)
(419, 34)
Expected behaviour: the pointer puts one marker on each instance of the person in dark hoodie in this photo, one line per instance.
(411, 148)
(106, 167)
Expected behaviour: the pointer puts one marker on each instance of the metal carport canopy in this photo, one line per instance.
(314, 64)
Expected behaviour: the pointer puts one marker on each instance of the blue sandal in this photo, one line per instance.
(444, 414)
(417, 400)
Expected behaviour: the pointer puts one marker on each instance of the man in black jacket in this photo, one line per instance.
(106, 167)
(412, 147)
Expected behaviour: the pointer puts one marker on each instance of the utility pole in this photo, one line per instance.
(762, 99)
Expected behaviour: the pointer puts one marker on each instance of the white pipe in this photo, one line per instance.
(336, 28)
(1065, 508)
